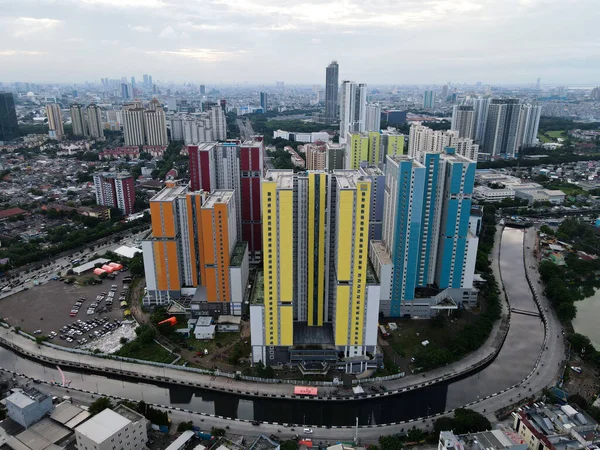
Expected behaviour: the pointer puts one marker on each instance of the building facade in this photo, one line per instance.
(78, 120)
(480, 111)
(318, 288)
(331, 91)
(133, 125)
(529, 123)
(9, 126)
(251, 173)
(501, 128)
(429, 99)
(353, 108)
(463, 121)
(425, 140)
(264, 101)
(155, 127)
(373, 118)
(94, 122)
(120, 428)
(55, 124)
(115, 190)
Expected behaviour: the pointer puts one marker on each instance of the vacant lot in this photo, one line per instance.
(46, 307)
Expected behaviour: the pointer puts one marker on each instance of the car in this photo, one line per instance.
(255, 423)
(69, 339)
(382, 387)
(307, 430)
(37, 332)
(373, 388)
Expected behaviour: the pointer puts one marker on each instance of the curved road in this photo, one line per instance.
(516, 360)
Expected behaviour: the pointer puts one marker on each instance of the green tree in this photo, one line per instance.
(100, 405)
(289, 445)
(185, 426)
(390, 443)
(217, 431)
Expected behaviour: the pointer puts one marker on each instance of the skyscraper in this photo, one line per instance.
(133, 124)
(371, 148)
(203, 171)
(155, 126)
(529, 122)
(429, 99)
(55, 124)
(353, 108)
(9, 126)
(373, 118)
(263, 102)
(146, 84)
(445, 93)
(501, 129)
(480, 111)
(331, 91)
(194, 247)
(115, 190)
(427, 252)
(463, 121)
(78, 120)
(318, 287)
(252, 171)
(202, 89)
(424, 140)
(94, 121)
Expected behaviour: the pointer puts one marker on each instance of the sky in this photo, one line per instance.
(260, 41)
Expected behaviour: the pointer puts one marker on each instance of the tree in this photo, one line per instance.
(443, 424)
(217, 431)
(289, 445)
(185, 426)
(390, 443)
(100, 405)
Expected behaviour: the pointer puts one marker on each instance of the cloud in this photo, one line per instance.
(140, 28)
(126, 3)
(20, 52)
(201, 54)
(30, 25)
(168, 33)
(109, 42)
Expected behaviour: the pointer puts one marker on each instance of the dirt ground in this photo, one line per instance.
(46, 307)
(587, 383)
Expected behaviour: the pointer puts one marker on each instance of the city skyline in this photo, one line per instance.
(36, 36)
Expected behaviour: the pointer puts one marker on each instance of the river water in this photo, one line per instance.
(515, 360)
(588, 315)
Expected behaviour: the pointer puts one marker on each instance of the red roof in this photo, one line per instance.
(11, 212)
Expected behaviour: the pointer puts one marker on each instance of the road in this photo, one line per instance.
(245, 127)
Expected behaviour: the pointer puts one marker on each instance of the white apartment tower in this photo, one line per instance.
(353, 108)
(78, 120)
(133, 125)
(373, 118)
(463, 121)
(155, 126)
(425, 140)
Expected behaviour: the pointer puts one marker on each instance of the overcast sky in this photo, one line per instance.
(260, 41)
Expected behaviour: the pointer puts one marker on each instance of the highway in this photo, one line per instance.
(516, 360)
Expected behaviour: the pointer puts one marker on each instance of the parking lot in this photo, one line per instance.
(51, 308)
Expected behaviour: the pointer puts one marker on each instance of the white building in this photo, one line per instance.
(55, 124)
(463, 121)
(155, 126)
(488, 194)
(301, 137)
(28, 406)
(373, 118)
(425, 140)
(118, 429)
(200, 127)
(353, 108)
(94, 121)
(553, 196)
(133, 125)
(529, 122)
(78, 120)
(204, 328)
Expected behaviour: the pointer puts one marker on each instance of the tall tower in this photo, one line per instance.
(9, 126)
(318, 287)
(116, 190)
(428, 99)
(331, 91)
(480, 111)
(252, 171)
(501, 132)
(78, 120)
(94, 120)
(463, 121)
(55, 124)
(353, 108)
(133, 125)
(263, 102)
(155, 126)
(529, 122)
(373, 118)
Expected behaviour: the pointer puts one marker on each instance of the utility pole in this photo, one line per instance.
(356, 432)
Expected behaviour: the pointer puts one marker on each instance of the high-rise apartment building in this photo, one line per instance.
(251, 173)
(353, 108)
(155, 126)
(335, 156)
(202, 89)
(316, 156)
(529, 123)
(371, 148)
(115, 190)
(331, 91)
(203, 170)
(195, 252)
(463, 121)
(78, 120)
(373, 118)
(426, 258)
(445, 89)
(263, 102)
(9, 125)
(133, 124)
(377, 177)
(55, 123)
(501, 129)
(94, 121)
(318, 289)
(218, 123)
(425, 140)
(429, 99)
(480, 111)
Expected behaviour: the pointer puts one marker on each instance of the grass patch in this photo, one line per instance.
(555, 134)
(220, 341)
(544, 139)
(152, 352)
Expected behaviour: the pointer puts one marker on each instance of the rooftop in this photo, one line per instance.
(237, 256)
(170, 193)
(398, 159)
(258, 290)
(218, 196)
(284, 178)
(373, 171)
(348, 179)
(103, 425)
(26, 397)
(181, 440)
(204, 321)
(263, 443)
(43, 435)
